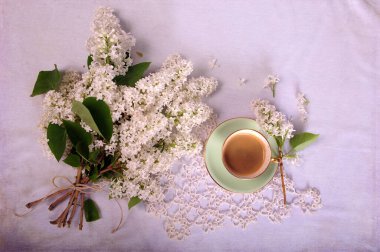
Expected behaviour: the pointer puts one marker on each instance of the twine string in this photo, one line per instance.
(82, 188)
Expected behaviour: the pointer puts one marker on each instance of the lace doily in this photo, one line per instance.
(194, 199)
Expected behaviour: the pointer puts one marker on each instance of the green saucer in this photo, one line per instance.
(214, 162)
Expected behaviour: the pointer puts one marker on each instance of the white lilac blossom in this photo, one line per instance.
(109, 44)
(57, 106)
(272, 121)
(167, 108)
(302, 103)
(242, 81)
(153, 122)
(294, 160)
(213, 63)
(271, 82)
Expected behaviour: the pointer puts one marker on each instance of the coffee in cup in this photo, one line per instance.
(246, 153)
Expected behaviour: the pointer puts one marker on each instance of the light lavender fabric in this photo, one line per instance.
(327, 49)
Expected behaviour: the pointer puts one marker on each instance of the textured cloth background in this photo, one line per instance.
(327, 49)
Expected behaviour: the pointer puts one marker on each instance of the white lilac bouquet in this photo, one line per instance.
(114, 125)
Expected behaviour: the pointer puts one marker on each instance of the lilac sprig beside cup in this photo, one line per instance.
(275, 124)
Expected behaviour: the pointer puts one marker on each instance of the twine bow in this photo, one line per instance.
(80, 187)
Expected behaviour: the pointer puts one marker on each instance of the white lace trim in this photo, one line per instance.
(193, 199)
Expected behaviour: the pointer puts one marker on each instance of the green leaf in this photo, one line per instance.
(94, 156)
(82, 111)
(89, 61)
(57, 140)
(82, 150)
(279, 141)
(302, 140)
(106, 161)
(91, 210)
(134, 74)
(101, 114)
(290, 155)
(76, 133)
(94, 173)
(133, 202)
(112, 174)
(47, 80)
(114, 158)
(87, 167)
(73, 160)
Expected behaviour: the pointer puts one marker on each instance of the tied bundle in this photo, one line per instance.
(116, 124)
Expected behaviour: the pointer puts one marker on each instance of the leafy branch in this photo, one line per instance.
(298, 143)
(91, 165)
